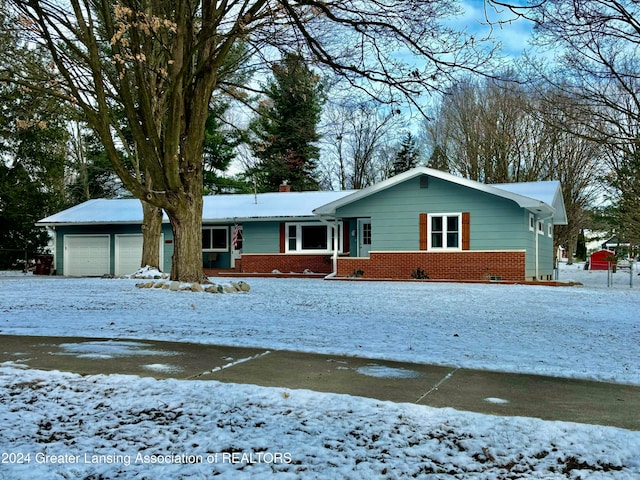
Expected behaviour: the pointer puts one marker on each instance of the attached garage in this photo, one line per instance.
(128, 253)
(86, 255)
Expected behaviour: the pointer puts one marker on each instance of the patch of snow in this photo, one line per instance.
(162, 367)
(381, 371)
(148, 272)
(589, 332)
(499, 401)
(110, 349)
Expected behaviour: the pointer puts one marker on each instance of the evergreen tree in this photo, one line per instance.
(285, 133)
(33, 139)
(439, 160)
(408, 156)
(22, 203)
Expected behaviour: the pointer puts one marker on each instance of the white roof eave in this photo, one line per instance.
(532, 204)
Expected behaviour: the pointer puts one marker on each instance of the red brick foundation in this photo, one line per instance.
(464, 265)
(285, 263)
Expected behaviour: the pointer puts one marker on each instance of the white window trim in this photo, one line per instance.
(540, 224)
(532, 222)
(226, 236)
(444, 232)
(299, 226)
(550, 230)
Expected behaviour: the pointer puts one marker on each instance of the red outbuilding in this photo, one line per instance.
(601, 259)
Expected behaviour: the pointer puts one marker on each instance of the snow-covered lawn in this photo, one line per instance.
(107, 423)
(590, 332)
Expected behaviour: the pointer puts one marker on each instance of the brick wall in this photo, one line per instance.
(285, 263)
(464, 265)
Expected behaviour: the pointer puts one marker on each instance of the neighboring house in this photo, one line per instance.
(426, 222)
(621, 248)
(420, 223)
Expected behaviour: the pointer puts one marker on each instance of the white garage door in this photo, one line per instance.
(86, 255)
(128, 253)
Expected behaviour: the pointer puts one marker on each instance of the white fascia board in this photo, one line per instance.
(532, 204)
(240, 220)
(44, 223)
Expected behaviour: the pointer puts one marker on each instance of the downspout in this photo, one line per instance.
(336, 245)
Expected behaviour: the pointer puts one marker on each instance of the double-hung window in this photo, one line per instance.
(445, 231)
(215, 239)
(310, 237)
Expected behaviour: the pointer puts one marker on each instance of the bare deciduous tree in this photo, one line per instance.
(484, 129)
(503, 133)
(596, 46)
(160, 62)
(356, 152)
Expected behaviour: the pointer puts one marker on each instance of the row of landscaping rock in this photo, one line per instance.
(174, 286)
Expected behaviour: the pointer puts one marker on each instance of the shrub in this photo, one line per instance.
(419, 274)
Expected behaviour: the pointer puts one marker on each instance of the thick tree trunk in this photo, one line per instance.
(151, 234)
(186, 224)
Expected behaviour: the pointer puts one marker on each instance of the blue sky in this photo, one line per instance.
(512, 35)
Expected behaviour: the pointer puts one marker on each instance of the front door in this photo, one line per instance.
(236, 244)
(364, 237)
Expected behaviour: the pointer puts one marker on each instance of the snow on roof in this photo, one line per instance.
(268, 205)
(549, 192)
(542, 197)
(99, 210)
(217, 208)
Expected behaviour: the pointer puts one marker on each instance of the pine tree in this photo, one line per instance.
(439, 160)
(33, 139)
(408, 156)
(285, 133)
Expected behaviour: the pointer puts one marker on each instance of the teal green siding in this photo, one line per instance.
(261, 237)
(219, 260)
(496, 223)
(545, 249)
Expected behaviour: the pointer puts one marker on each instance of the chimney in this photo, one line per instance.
(285, 187)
